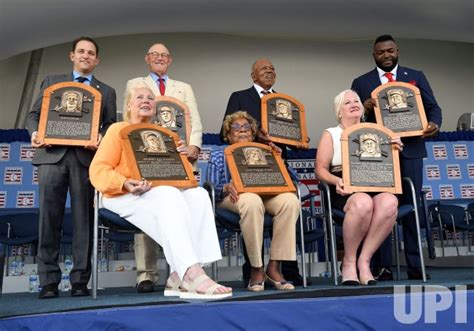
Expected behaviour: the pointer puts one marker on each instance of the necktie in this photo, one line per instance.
(82, 79)
(389, 76)
(161, 85)
(265, 92)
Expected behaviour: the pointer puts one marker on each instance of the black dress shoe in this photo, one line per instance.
(384, 274)
(49, 291)
(79, 290)
(146, 286)
(415, 274)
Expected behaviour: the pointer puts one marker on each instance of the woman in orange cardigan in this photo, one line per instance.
(181, 221)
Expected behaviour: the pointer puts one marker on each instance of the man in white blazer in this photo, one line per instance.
(159, 60)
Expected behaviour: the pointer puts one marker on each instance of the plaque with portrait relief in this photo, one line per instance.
(70, 114)
(256, 168)
(399, 107)
(284, 119)
(174, 115)
(370, 162)
(151, 154)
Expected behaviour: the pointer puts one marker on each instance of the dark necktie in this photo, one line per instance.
(389, 76)
(82, 79)
(265, 92)
(161, 85)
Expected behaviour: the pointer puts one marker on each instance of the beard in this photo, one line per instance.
(388, 68)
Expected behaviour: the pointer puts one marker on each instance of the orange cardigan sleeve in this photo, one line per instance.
(108, 170)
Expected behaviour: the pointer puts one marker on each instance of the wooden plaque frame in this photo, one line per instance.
(94, 114)
(396, 188)
(303, 141)
(177, 104)
(262, 190)
(129, 151)
(380, 114)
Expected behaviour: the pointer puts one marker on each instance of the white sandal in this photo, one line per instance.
(188, 290)
(174, 289)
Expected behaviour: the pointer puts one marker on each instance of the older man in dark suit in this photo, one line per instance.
(263, 75)
(63, 168)
(385, 54)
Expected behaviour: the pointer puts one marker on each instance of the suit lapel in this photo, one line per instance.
(254, 95)
(152, 84)
(402, 75)
(170, 87)
(374, 79)
(95, 83)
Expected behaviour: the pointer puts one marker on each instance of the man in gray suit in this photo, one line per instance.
(63, 168)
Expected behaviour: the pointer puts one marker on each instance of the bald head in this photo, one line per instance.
(158, 59)
(263, 73)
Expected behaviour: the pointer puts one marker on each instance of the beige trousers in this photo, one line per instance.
(146, 255)
(285, 211)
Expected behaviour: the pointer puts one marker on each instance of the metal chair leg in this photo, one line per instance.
(303, 254)
(397, 250)
(95, 246)
(418, 231)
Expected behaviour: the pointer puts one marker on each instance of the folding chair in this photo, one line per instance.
(451, 218)
(112, 221)
(403, 210)
(230, 221)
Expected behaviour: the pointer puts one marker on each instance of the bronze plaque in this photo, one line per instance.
(174, 115)
(70, 114)
(257, 168)
(151, 154)
(399, 107)
(370, 163)
(284, 119)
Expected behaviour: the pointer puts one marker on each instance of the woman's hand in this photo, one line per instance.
(340, 188)
(398, 143)
(230, 189)
(182, 148)
(137, 187)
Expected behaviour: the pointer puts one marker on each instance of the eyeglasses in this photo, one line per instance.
(158, 55)
(237, 126)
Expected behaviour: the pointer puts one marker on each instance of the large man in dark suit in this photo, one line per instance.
(263, 75)
(63, 168)
(385, 54)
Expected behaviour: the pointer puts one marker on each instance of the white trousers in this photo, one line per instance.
(181, 222)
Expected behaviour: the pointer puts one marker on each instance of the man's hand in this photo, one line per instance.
(369, 106)
(182, 148)
(193, 153)
(94, 146)
(262, 136)
(274, 147)
(36, 142)
(137, 187)
(431, 130)
(232, 191)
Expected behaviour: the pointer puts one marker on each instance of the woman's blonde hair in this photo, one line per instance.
(241, 114)
(339, 101)
(129, 96)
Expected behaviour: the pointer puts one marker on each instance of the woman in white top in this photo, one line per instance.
(368, 217)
